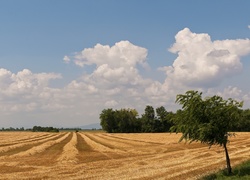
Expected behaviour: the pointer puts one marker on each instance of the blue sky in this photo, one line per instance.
(62, 62)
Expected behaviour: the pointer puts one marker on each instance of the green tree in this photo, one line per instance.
(165, 118)
(244, 123)
(207, 120)
(148, 119)
(134, 125)
(108, 120)
(119, 121)
(126, 119)
(44, 129)
(123, 119)
(149, 112)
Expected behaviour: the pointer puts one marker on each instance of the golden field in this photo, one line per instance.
(87, 155)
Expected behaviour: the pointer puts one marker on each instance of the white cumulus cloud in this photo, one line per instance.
(122, 54)
(202, 62)
(115, 66)
(24, 91)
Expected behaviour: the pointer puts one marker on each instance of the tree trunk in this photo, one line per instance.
(229, 169)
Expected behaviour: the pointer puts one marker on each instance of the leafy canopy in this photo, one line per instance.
(207, 120)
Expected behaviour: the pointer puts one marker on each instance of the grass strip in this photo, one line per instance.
(241, 171)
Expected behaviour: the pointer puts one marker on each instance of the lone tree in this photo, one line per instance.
(206, 120)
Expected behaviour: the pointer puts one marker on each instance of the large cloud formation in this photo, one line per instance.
(25, 91)
(122, 54)
(113, 64)
(202, 62)
(116, 80)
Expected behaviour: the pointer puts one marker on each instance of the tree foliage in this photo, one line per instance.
(165, 118)
(206, 120)
(44, 129)
(243, 125)
(128, 120)
(115, 121)
(12, 129)
(108, 120)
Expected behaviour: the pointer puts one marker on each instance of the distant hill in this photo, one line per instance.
(91, 126)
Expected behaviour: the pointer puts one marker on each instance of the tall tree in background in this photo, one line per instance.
(206, 120)
(244, 123)
(108, 120)
(126, 119)
(148, 119)
(165, 118)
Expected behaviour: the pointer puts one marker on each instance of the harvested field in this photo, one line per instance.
(86, 155)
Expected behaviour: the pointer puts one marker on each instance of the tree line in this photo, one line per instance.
(128, 120)
(154, 120)
(13, 129)
(34, 129)
(44, 129)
